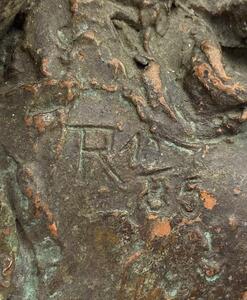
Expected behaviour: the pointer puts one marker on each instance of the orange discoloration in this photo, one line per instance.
(51, 82)
(208, 199)
(133, 258)
(152, 216)
(154, 294)
(244, 295)
(28, 121)
(69, 84)
(33, 88)
(8, 268)
(39, 123)
(214, 56)
(207, 77)
(140, 104)
(152, 78)
(47, 212)
(74, 6)
(90, 35)
(7, 231)
(117, 65)
(37, 204)
(28, 191)
(243, 117)
(81, 56)
(94, 82)
(42, 208)
(110, 87)
(53, 229)
(190, 222)
(237, 190)
(44, 67)
(160, 229)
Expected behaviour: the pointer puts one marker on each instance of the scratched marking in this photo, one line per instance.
(97, 142)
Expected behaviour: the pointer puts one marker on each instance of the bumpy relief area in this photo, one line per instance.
(123, 149)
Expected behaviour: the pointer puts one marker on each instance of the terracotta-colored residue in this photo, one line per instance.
(208, 199)
(140, 104)
(117, 65)
(8, 267)
(160, 228)
(80, 56)
(214, 56)
(28, 121)
(186, 221)
(110, 87)
(90, 35)
(37, 204)
(154, 294)
(74, 6)
(206, 75)
(7, 231)
(237, 190)
(53, 229)
(33, 88)
(152, 216)
(39, 123)
(69, 85)
(51, 82)
(244, 295)
(152, 77)
(44, 67)
(243, 117)
(131, 259)
(28, 192)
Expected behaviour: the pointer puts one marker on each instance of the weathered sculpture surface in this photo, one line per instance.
(123, 149)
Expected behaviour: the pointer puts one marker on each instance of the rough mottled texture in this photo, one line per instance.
(8, 11)
(123, 151)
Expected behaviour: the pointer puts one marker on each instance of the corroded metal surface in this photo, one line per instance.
(123, 151)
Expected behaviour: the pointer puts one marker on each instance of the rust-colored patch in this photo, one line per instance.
(152, 216)
(208, 78)
(186, 221)
(110, 87)
(90, 35)
(45, 67)
(39, 123)
(208, 199)
(152, 78)
(53, 229)
(161, 228)
(7, 231)
(243, 117)
(28, 191)
(117, 65)
(51, 82)
(37, 204)
(131, 259)
(81, 56)
(244, 295)
(237, 190)
(69, 84)
(8, 268)
(154, 294)
(28, 121)
(214, 56)
(33, 88)
(74, 6)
